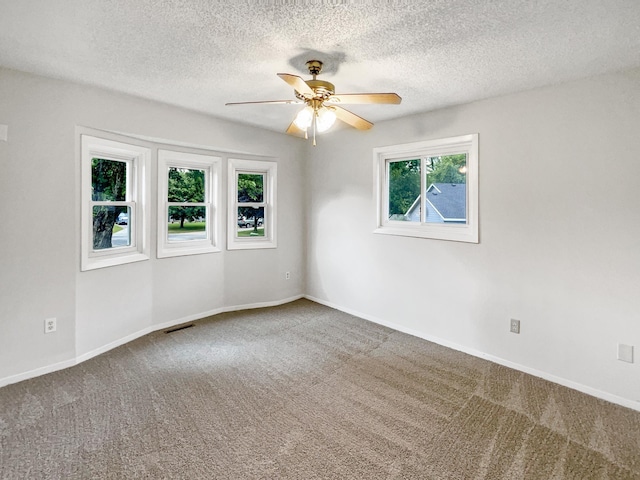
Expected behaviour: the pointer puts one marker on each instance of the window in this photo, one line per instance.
(187, 194)
(252, 210)
(114, 203)
(446, 171)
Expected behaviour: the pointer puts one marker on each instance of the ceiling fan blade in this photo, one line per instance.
(298, 84)
(353, 98)
(266, 101)
(351, 118)
(293, 130)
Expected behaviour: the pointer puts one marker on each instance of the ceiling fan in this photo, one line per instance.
(322, 105)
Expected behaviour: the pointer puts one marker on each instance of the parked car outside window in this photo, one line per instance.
(250, 222)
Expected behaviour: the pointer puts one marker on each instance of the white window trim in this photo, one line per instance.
(269, 169)
(138, 159)
(447, 146)
(211, 166)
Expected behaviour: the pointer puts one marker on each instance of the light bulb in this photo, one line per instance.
(463, 169)
(304, 117)
(325, 119)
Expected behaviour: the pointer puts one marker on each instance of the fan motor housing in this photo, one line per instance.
(322, 89)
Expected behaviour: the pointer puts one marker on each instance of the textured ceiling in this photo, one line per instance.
(200, 54)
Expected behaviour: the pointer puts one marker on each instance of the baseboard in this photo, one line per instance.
(129, 338)
(634, 405)
(250, 306)
(19, 377)
(445, 343)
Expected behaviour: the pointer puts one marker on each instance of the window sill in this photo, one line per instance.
(94, 263)
(182, 251)
(454, 233)
(251, 244)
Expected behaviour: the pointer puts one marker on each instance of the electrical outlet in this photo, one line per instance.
(625, 353)
(287, 275)
(515, 326)
(49, 325)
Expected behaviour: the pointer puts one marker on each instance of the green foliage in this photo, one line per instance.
(404, 185)
(446, 169)
(250, 187)
(186, 185)
(190, 226)
(108, 183)
(251, 233)
(108, 180)
(404, 179)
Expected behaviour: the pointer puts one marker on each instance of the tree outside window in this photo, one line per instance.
(109, 194)
(251, 205)
(405, 181)
(186, 210)
(251, 221)
(187, 200)
(428, 189)
(115, 202)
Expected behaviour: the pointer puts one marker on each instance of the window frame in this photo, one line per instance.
(194, 161)
(137, 158)
(382, 156)
(268, 168)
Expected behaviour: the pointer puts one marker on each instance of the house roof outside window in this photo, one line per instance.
(446, 203)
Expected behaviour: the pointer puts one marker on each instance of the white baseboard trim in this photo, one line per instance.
(19, 377)
(115, 344)
(129, 338)
(250, 306)
(635, 405)
(625, 402)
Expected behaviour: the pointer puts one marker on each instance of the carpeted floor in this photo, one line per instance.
(306, 392)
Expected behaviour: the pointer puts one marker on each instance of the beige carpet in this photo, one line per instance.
(303, 391)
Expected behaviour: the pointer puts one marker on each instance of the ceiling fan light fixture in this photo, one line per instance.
(322, 106)
(304, 118)
(325, 118)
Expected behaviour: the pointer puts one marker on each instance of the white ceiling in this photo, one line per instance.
(200, 54)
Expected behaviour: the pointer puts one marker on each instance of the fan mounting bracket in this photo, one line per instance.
(314, 66)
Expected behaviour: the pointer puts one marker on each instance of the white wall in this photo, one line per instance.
(40, 210)
(559, 234)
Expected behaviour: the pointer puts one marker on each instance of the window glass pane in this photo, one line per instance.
(108, 180)
(250, 222)
(186, 185)
(404, 190)
(187, 223)
(250, 187)
(446, 189)
(111, 227)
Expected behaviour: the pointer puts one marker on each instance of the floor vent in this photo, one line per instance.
(181, 327)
